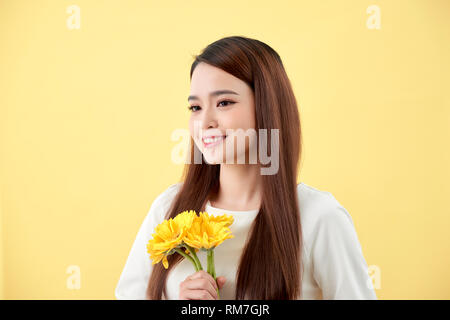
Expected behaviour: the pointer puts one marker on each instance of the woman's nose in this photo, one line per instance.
(209, 119)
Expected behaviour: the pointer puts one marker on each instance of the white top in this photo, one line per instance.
(334, 265)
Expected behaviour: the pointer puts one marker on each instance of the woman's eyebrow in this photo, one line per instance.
(214, 93)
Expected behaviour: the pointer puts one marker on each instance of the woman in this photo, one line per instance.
(291, 241)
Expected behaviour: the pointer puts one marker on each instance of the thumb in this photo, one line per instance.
(221, 281)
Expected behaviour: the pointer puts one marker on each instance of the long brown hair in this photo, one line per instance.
(270, 266)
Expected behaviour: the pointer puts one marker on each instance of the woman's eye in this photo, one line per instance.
(196, 108)
(192, 108)
(229, 102)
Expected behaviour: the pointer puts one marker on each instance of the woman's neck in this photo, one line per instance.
(240, 187)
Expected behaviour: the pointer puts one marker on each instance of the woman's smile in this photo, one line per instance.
(212, 141)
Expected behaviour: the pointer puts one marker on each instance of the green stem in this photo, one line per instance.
(212, 269)
(194, 256)
(187, 257)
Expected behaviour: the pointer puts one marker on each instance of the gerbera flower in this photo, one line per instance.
(208, 232)
(168, 236)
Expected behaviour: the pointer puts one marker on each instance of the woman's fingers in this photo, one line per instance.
(205, 275)
(200, 295)
(221, 281)
(198, 286)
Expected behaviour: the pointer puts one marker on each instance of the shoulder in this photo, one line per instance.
(163, 201)
(168, 194)
(333, 250)
(319, 210)
(318, 204)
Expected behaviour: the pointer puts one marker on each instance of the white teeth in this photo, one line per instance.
(211, 140)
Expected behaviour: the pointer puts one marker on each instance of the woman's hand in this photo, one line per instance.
(200, 286)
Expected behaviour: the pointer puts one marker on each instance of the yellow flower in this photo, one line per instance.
(169, 235)
(226, 219)
(208, 231)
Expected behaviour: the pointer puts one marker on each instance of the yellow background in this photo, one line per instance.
(86, 118)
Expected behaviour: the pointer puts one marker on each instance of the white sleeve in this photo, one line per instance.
(133, 281)
(338, 263)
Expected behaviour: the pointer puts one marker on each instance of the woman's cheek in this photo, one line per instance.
(243, 117)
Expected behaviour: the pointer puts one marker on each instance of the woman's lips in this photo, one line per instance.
(215, 142)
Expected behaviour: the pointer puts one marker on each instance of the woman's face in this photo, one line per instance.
(214, 112)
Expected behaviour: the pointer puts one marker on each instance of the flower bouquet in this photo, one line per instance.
(188, 233)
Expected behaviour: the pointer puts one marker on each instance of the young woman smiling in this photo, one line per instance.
(292, 241)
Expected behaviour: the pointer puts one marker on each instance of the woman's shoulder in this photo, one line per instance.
(319, 208)
(334, 254)
(171, 190)
(165, 198)
(310, 196)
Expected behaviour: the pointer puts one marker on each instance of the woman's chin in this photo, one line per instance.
(212, 160)
(210, 156)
